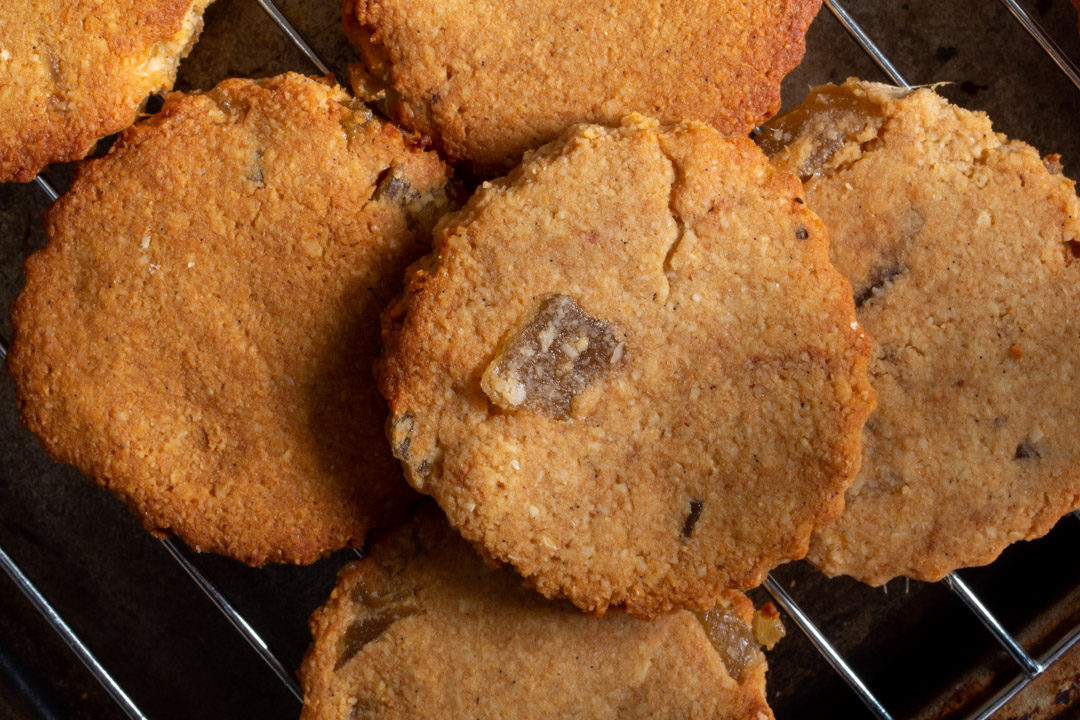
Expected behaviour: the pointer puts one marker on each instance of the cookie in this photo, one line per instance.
(73, 72)
(962, 248)
(423, 629)
(488, 81)
(629, 370)
(198, 334)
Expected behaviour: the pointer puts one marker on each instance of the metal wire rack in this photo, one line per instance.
(1027, 666)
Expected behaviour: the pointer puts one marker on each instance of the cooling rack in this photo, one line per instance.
(1027, 654)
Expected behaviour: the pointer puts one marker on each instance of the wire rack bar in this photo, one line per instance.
(1030, 667)
(73, 641)
(242, 626)
(47, 188)
(823, 646)
(1007, 693)
(1035, 30)
(293, 34)
(866, 43)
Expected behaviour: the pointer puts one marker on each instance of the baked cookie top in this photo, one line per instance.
(962, 248)
(629, 369)
(199, 332)
(423, 629)
(490, 80)
(74, 71)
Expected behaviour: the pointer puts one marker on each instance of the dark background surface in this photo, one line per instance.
(177, 657)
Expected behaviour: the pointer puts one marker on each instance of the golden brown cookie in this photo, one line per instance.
(629, 369)
(199, 332)
(488, 81)
(423, 629)
(962, 248)
(74, 71)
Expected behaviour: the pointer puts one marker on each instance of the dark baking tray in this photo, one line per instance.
(914, 644)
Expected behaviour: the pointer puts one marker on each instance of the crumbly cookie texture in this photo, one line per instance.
(698, 390)
(198, 334)
(74, 71)
(962, 248)
(423, 629)
(488, 81)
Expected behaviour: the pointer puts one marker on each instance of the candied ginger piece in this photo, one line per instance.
(551, 358)
(768, 627)
(734, 642)
(831, 116)
(382, 611)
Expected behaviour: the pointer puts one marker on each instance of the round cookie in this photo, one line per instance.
(75, 71)
(199, 332)
(962, 249)
(488, 81)
(423, 629)
(629, 369)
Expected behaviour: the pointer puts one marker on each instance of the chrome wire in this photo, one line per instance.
(823, 646)
(236, 619)
(1066, 65)
(1007, 693)
(293, 34)
(47, 188)
(1030, 667)
(866, 43)
(73, 641)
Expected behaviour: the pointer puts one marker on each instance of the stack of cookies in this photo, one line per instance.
(635, 371)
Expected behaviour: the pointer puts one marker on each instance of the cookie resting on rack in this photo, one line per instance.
(488, 81)
(74, 71)
(198, 333)
(964, 251)
(424, 629)
(629, 370)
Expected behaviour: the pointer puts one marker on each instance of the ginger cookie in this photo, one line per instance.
(74, 71)
(198, 334)
(423, 629)
(488, 81)
(629, 370)
(962, 247)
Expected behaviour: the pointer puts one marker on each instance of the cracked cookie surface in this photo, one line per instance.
(723, 423)
(488, 81)
(423, 629)
(74, 71)
(199, 332)
(962, 247)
